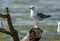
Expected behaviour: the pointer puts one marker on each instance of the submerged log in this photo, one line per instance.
(33, 35)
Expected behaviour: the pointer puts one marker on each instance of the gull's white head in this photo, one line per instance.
(32, 7)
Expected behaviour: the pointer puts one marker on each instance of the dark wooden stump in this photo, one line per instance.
(33, 35)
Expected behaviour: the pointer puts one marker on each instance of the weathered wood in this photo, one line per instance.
(9, 20)
(33, 35)
(5, 31)
(3, 16)
(13, 32)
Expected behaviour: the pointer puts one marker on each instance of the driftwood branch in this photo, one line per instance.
(3, 16)
(5, 31)
(9, 21)
(33, 35)
(11, 30)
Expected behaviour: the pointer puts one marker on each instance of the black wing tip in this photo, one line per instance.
(48, 16)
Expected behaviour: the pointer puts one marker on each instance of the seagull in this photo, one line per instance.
(36, 15)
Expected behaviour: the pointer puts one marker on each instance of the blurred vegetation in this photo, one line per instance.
(2, 39)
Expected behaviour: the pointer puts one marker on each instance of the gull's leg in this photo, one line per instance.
(37, 22)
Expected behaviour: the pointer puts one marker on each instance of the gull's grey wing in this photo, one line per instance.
(41, 15)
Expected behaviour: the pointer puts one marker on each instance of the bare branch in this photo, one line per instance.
(13, 32)
(3, 16)
(9, 20)
(5, 31)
